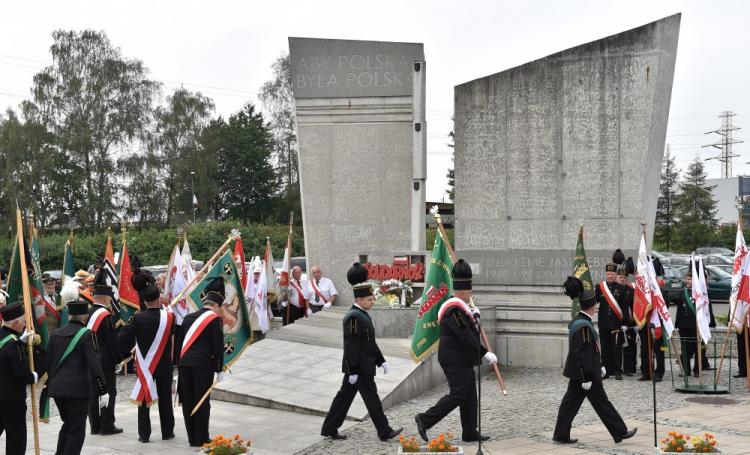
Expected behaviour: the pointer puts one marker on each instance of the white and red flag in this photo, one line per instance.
(738, 307)
(659, 310)
(642, 299)
(700, 297)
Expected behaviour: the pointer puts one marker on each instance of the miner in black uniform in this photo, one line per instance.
(71, 373)
(14, 376)
(687, 325)
(459, 351)
(630, 328)
(102, 420)
(140, 333)
(584, 370)
(611, 321)
(361, 358)
(201, 360)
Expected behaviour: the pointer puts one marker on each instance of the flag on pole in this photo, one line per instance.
(642, 300)
(738, 308)
(129, 298)
(195, 200)
(187, 262)
(235, 319)
(68, 272)
(178, 273)
(110, 275)
(700, 297)
(437, 289)
(259, 300)
(285, 266)
(38, 300)
(660, 311)
(239, 261)
(167, 294)
(581, 271)
(272, 285)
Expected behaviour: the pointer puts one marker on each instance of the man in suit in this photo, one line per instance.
(584, 371)
(361, 357)
(74, 368)
(459, 351)
(612, 318)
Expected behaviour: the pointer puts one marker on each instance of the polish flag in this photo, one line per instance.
(738, 307)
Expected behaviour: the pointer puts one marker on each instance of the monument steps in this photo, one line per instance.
(297, 368)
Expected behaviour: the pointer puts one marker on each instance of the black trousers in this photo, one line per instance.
(192, 384)
(366, 387)
(13, 423)
(630, 353)
(294, 314)
(73, 431)
(612, 351)
(163, 380)
(689, 348)
(572, 401)
(741, 354)
(103, 419)
(315, 308)
(462, 395)
(657, 348)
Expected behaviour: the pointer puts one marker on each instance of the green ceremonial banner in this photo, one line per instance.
(68, 272)
(437, 289)
(580, 271)
(15, 290)
(237, 330)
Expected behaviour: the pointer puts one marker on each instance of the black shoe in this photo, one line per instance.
(476, 438)
(695, 373)
(740, 375)
(606, 376)
(391, 435)
(628, 434)
(565, 441)
(659, 379)
(334, 435)
(94, 431)
(113, 430)
(618, 376)
(168, 437)
(644, 378)
(629, 374)
(143, 440)
(420, 428)
(709, 368)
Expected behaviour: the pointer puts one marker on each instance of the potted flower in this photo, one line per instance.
(394, 293)
(443, 444)
(681, 443)
(221, 445)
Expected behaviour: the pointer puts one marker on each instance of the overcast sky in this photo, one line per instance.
(224, 49)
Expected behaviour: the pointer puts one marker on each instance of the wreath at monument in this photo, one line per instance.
(394, 293)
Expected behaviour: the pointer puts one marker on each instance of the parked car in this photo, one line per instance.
(717, 259)
(714, 250)
(676, 260)
(673, 283)
(719, 284)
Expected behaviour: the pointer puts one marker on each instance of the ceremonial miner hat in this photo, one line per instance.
(12, 311)
(150, 292)
(101, 287)
(658, 267)
(629, 266)
(357, 277)
(47, 278)
(587, 299)
(622, 270)
(618, 257)
(77, 308)
(461, 276)
(215, 291)
(572, 287)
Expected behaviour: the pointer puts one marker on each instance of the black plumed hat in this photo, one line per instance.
(572, 287)
(462, 276)
(630, 266)
(12, 311)
(101, 284)
(618, 257)
(587, 299)
(215, 291)
(357, 276)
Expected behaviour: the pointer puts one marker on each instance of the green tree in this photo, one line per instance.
(246, 175)
(695, 210)
(665, 208)
(94, 101)
(278, 101)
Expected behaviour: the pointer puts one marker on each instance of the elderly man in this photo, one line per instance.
(324, 293)
(298, 296)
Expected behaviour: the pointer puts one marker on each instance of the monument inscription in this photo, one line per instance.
(323, 68)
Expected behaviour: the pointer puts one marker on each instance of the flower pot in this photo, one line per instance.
(423, 449)
(661, 452)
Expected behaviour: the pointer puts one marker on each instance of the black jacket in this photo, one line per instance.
(459, 340)
(208, 349)
(685, 318)
(361, 352)
(627, 295)
(584, 359)
(106, 339)
(142, 329)
(608, 319)
(14, 367)
(71, 379)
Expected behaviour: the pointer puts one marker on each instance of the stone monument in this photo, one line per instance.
(355, 122)
(575, 138)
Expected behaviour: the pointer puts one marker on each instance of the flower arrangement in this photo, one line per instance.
(683, 443)
(394, 293)
(442, 443)
(409, 445)
(221, 445)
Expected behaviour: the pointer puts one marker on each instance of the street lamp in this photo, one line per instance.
(192, 201)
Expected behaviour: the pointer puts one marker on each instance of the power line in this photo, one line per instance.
(725, 144)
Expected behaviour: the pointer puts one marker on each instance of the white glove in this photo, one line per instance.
(490, 358)
(624, 329)
(353, 379)
(475, 312)
(604, 371)
(635, 330)
(386, 368)
(327, 305)
(104, 401)
(309, 312)
(26, 335)
(220, 376)
(284, 304)
(36, 376)
(586, 385)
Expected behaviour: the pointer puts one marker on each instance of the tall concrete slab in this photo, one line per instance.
(354, 122)
(575, 138)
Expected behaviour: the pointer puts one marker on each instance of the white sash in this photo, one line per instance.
(96, 319)
(196, 329)
(454, 302)
(317, 291)
(300, 294)
(610, 299)
(145, 367)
